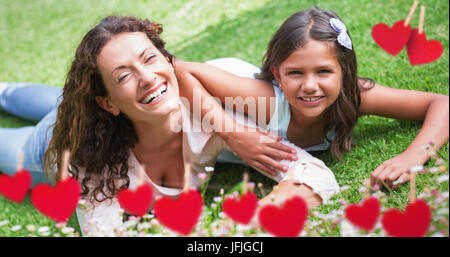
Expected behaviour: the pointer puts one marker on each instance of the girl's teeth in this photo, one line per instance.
(310, 99)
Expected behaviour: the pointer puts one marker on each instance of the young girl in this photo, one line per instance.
(119, 111)
(310, 69)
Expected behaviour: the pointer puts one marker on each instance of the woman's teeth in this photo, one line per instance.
(155, 95)
(310, 99)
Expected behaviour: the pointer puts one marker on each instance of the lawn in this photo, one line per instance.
(38, 41)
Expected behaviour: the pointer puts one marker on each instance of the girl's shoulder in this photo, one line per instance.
(279, 120)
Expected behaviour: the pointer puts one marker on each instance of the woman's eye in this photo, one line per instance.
(149, 58)
(122, 77)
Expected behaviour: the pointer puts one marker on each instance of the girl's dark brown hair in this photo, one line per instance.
(295, 32)
(99, 142)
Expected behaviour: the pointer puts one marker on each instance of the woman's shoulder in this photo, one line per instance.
(195, 132)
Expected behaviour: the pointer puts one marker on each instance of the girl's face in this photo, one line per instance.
(139, 79)
(311, 78)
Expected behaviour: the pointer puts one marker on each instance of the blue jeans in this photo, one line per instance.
(33, 102)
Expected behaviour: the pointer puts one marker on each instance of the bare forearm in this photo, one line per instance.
(435, 129)
(245, 95)
(208, 77)
(203, 106)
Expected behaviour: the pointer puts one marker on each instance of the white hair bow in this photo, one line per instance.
(343, 37)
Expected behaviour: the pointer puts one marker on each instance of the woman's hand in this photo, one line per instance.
(395, 169)
(260, 149)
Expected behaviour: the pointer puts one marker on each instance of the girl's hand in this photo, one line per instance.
(260, 149)
(432, 109)
(395, 169)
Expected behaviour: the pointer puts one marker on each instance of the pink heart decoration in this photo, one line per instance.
(59, 202)
(392, 40)
(421, 51)
(364, 215)
(15, 188)
(136, 202)
(414, 222)
(242, 210)
(285, 221)
(180, 215)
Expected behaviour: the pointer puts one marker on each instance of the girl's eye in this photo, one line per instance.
(295, 73)
(324, 71)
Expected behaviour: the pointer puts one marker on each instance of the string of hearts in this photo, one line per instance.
(58, 202)
(393, 40)
(181, 215)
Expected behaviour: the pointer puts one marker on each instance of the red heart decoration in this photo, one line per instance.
(59, 202)
(285, 221)
(182, 214)
(15, 188)
(413, 222)
(364, 215)
(136, 202)
(391, 40)
(241, 210)
(421, 51)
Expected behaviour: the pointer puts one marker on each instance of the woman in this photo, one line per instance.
(120, 111)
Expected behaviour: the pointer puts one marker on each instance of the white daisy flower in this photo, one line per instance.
(16, 228)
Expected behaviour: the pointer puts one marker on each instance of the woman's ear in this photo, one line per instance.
(276, 74)
(107, 105)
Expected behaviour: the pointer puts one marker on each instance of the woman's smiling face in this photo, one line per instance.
(311, 78)
(139, 79)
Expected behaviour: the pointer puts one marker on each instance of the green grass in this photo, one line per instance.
(38, 41)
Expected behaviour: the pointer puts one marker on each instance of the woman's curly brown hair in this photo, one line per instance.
(99, 142)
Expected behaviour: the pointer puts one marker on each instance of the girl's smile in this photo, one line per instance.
(312, 100)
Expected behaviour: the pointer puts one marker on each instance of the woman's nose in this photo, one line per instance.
(147, 78)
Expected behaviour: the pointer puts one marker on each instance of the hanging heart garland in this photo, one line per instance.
(364, 215)
(419, 49)
(285, 221)
(58, 202)
(413, 222)
(241, 210)
(15, 188)
(182, 214)
(392, 40)
(136, 202)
